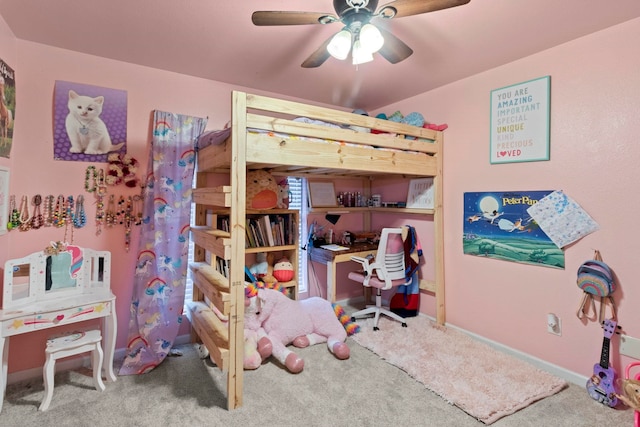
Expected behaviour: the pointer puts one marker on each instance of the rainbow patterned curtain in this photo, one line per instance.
(159, 282)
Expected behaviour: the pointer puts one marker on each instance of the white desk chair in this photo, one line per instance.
(387, 271)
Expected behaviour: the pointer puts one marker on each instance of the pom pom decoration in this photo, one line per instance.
(122, 168)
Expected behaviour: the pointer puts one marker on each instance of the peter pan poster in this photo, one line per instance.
(496, 225)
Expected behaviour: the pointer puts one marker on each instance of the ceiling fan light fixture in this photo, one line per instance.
(360, 54)
(371, 38)
(340, 45)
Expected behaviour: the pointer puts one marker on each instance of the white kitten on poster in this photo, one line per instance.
(87, 132)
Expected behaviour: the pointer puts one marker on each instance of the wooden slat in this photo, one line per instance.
(212, 284)
(212, 331)
(301, 129)
(268, 149)
(215, 241)
(213, 196)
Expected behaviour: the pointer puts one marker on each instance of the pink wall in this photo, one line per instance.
(595, 100)
(34, 171)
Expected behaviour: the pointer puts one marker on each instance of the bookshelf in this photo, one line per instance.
(273, 231)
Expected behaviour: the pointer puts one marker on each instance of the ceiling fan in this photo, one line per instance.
(359, 36)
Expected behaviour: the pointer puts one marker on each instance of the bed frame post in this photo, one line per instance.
(438, 219)
(237, 228)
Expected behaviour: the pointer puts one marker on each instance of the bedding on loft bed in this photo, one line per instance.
(330, 143)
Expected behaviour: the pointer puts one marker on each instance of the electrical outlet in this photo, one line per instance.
(630, 346)
(554, 324)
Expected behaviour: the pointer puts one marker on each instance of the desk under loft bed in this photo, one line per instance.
(267, 133)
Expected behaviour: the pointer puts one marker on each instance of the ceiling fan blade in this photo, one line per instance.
(416, 7)
(318, 57)
(289, 18)
(394, 50)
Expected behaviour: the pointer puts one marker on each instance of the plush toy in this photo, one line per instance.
(256, 349)
(284, 321)
(261, 266)
(262, 190)
(283, 270)
(284, 194)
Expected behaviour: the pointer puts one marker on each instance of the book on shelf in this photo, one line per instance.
(267, 230)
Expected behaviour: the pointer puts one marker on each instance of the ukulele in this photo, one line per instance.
(601, 385)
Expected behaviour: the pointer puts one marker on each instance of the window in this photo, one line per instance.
(297, 198)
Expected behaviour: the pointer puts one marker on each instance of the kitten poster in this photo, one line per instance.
(89, 122)
(497, 225)
(7, 108)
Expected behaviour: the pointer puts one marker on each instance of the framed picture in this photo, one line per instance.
(520, 122)
(4, 199)
(322, 194)
(420, 194)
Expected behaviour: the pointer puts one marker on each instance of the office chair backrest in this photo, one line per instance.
(391, 250)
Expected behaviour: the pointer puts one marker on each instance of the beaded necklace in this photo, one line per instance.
(68, 217)
(100, 215)
(80, 218)
(48, 210)
(120, 214)
(25, 223)
(91, 174)
(111, 212)
(127, 223)
(137, 209)
(59, 213)
(14, 217)
(37, 220)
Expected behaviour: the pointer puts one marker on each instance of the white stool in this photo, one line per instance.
(70, 345)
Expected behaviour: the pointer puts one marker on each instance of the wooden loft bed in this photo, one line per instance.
(265, 135)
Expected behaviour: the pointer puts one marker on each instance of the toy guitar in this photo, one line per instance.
(601, 385)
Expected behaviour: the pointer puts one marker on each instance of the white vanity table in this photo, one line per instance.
(57, 287)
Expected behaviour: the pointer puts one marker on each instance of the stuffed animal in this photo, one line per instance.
(284, 194)
(257, 348)
(261, 266)
(262, 190)
(283, 270)
(284, 321)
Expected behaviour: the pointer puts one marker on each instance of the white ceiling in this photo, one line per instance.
(215, 39)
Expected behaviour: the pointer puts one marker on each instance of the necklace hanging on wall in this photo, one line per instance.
(37, 220)
(14, 214)
(100, 214)
(128, 216)
(137, 209)
(59, 213)
(25, 222)
(91, 179)
(80, 217)
(69, 218)
(110, 216)
(48, 211)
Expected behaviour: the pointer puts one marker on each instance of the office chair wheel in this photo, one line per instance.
(375, 328)
(404, 325)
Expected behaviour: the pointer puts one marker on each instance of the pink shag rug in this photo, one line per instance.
(482, 381)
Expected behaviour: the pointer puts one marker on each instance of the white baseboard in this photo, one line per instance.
(556, 370)
(77, 363)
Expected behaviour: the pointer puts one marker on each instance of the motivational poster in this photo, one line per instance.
(520, 122)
